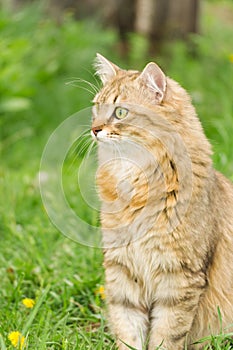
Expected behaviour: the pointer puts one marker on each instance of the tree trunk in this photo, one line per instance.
(161, 20)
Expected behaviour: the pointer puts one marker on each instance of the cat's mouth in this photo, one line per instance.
(100, 134)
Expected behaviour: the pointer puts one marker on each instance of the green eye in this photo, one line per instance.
(120, 112)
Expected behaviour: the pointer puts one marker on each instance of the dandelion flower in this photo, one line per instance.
(29, 303)
(231, 57)
(101, 291)
(16, 339)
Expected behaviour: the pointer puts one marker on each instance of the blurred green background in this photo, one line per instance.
(46, 50)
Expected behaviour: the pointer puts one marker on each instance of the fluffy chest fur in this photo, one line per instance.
(153, 269)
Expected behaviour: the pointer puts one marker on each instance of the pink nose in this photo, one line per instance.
(96, 129)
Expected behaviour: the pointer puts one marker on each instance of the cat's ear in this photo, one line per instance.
(105, 69)
(154, 78)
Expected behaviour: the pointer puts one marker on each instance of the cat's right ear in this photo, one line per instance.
(105, 69)
(154, 78)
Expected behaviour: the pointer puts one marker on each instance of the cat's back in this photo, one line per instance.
(224, 184)
(223, 201)
(220, 272)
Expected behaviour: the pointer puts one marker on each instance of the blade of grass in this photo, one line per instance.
(2, 343)
(35, 310)
(220, 319)
(128, 346)
(45, 332)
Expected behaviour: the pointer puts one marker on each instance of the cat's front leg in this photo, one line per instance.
(128, 315)
(171, 324)
(129, 326)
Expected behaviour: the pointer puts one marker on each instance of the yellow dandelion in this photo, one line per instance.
(231, 57)
(101, 291)
(29, 303)
(16, 339)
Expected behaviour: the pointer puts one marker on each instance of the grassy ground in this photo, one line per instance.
(36, 261)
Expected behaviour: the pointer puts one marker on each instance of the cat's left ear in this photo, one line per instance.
(105, 69)
(154, 78)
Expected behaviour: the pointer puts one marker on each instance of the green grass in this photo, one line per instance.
(37, 59)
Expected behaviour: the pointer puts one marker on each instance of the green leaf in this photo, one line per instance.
(15, 104)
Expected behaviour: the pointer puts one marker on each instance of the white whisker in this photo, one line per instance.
(76, 83)
(84, 147)
(84, 134)
(91, 147)
(77, 152)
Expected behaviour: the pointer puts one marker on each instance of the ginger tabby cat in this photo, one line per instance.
(166, 214)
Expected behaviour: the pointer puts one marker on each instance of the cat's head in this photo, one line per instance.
(122, 88)
(149, 89)
(147, 107)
